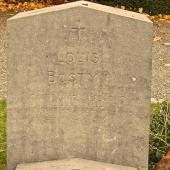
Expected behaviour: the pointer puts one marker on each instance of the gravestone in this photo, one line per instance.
(71, 164)
(79, 85)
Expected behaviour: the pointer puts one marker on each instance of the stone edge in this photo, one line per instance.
(84, 4)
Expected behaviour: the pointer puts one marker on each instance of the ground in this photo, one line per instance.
(161, 61)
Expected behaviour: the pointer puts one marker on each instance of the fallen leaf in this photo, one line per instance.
(166, 44)
(156, 38)
(167, 17)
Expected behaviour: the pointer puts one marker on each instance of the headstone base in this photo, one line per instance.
(72, 164)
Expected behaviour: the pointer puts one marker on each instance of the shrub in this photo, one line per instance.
(152, 7)
(159, 132)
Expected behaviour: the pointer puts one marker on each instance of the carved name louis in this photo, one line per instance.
(76, 57)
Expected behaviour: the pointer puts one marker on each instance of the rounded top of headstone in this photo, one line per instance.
(83, 4)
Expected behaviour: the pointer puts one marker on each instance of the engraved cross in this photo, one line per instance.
(78, 30)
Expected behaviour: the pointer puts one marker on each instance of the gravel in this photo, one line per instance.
(3, 58)
(161, 61)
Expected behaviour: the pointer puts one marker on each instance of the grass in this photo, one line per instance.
(159, 133)
(2, 134)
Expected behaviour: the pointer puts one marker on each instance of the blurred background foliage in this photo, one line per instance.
(151, 7)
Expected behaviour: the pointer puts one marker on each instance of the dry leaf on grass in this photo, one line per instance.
(160, 17)
(18, 6)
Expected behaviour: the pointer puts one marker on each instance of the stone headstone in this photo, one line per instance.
(79, 85)
(72, 164)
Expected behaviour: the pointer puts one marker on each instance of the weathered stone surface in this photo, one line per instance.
(79, 85)
(72, 164)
